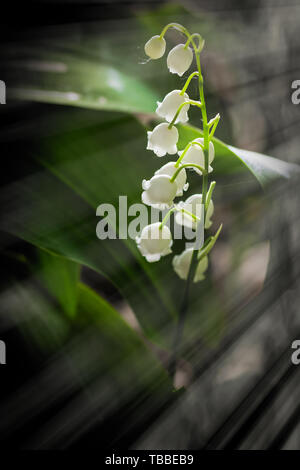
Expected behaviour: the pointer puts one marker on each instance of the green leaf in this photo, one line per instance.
(230, 159)
(119, 359)
(123, 351)
(60, 276)
(40, 317)
(266, 169)
(103, 66)
(97, 355)
(87, 159)
(67, 78)
(39, 320)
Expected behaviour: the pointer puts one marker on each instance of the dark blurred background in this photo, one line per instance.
(243, 390)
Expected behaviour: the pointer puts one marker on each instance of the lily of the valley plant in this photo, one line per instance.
(171, 180)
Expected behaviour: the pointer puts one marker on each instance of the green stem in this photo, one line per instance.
(181, 320)
(209, 246)
(214, 122)
(205, 134)
(179, 209)
(182, 29)
(188, 213)
(200, 43)
(192, 102)
(194, 74)
(177, 26)
(166, 217)
(187, 165)
(209, 194)
(194, 262)
(185, 151)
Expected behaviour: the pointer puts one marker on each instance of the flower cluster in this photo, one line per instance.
(170, 181)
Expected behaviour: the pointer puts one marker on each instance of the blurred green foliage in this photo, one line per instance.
(87, 157)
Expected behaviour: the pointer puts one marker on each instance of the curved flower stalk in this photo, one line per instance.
(169, 169)
(193, 206)
(193, 153)
(170, 181)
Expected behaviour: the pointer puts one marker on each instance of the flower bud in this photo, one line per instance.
(181, 264)
(193, 204)
(159, 192)
(170, 104)
(169, 170)
(155, 242)
(155, 47)
(163, 140)
(179, 59)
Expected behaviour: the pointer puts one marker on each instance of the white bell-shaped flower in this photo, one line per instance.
(159, 192)
(193, 204)
(169, 170)
(170, 104)
(181, 264)
(155, 47)
(179, 59)
(163, 140)
(211, 149)
(155, 242)
(195, 156)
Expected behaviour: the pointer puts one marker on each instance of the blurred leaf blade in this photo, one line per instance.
(55, 208)
(97, 354)
(84, 166)
(60, 276)
(68, 79)
(265, 168)
(125, 344)
(229, 159)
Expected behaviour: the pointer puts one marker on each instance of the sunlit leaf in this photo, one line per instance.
(230, 159)
(69, 79)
